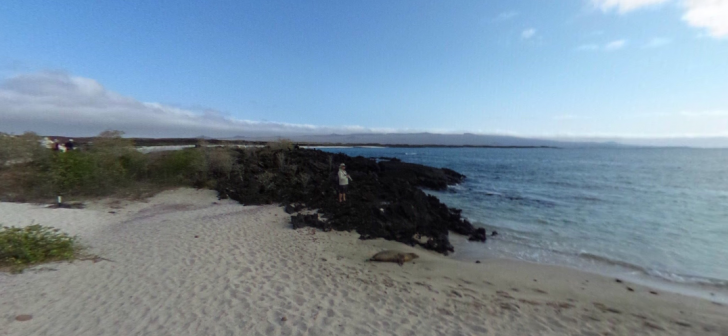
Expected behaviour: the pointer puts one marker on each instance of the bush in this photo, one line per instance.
(281, 158)
(22, 247)
(282, 144)
(110, 162)
(182, 165)
(305, 179)
(267, 179)
(219, 161)
(114, 156)
(21, 148)
(135, 164)
(73, 171)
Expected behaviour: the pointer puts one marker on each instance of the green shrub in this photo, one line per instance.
(21, 148)
(22, 247)
(135, 164)
(88, 173)
(113, 156)
(72, 171)
(110, 162)
(110, 143)
(187, 164)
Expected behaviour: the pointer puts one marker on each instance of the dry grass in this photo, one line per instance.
(220, 161)
(282, 144)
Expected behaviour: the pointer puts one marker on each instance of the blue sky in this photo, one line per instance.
(634, 68)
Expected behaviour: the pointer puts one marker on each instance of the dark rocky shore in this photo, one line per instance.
(385, 199)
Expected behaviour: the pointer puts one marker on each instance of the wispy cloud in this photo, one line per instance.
(505, 16)
(709, 14)
(624, 6)
(615, 45)
(657, 42)
(610, 46)
(528, 33)
(56, 102)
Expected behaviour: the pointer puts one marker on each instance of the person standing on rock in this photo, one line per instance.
(343, 182)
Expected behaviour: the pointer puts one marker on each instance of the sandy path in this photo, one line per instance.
(186, 264)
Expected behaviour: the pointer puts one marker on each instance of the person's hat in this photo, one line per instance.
(342, 165)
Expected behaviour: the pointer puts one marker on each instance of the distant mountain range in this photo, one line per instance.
(432, 139)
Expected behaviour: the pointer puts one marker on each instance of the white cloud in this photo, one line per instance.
(528, 33)
(611, 46)
(57, 103)
(53, 103)
(657, 42)
(624, 6)
(505, 16)
(615, 45)
(709, 14)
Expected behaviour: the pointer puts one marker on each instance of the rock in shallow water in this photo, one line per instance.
(478, 235)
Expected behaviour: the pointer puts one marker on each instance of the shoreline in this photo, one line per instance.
(705, 291)
(185, 263)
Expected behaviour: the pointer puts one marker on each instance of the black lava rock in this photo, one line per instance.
(384, 199)
(478, 235)
(289, 209)
(301, 220)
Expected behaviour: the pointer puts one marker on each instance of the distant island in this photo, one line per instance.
(425, 139)
(153, 142)
(400, 140)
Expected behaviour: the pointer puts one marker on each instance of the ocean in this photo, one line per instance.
(657, 216)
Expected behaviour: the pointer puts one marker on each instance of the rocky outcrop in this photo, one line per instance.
(384, 198)
(478, 235)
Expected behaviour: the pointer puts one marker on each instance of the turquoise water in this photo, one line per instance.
(658, 213)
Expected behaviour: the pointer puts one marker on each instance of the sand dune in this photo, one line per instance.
(184, 263)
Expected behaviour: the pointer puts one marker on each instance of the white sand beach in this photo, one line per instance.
(184, 263)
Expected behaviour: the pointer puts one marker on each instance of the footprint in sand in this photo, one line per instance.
(604, 308)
